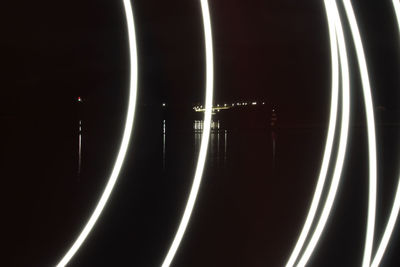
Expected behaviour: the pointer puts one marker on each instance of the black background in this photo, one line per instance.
(54, 51)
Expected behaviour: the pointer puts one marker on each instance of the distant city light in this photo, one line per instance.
(163, 104)
(216, 107)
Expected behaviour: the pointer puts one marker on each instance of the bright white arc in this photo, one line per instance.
(125, 139)
(205, 137)
(369, 239)
(333, 12)
(329, 142)
(388, 230)
(396, 204)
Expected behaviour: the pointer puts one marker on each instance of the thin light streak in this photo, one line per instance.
(388, 230)
(205, 138)
(212, 141)
(163, 145)
(273, 137)
(225, 145)
(80, 147)
(396, 203)
(332, 12)
(369, 239)
(329, 143)
(125, 139)
(218, 146)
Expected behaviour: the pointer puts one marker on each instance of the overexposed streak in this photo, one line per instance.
(388, 230)
(333, 12)
(369, 108)
(205, 138)
(396, 6)
(125, 139)
(329, 140)
(396, 204)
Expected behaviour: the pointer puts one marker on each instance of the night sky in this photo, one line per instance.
(52, 52)
(80, 48)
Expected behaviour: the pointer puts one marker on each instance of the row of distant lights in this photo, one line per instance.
(128, 130)
(227, 105)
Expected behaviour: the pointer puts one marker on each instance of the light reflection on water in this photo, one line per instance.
(225, 144)
(79, 147)
(273, 139)
(218, 146)
(215, 141)
(163, 143)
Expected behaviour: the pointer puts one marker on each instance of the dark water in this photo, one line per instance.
(254, 196)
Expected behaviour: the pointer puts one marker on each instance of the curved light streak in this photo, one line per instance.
(124, 144)
(333, 12)
(369, 239)
(396, 204)
(205, 138)
(329, 142)
(388, 230)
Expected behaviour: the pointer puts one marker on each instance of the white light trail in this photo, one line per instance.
(396, 204)
(125, 139)
(369, 239)
(205, 138)
(388, 230)
(329, 141)
(332, 12)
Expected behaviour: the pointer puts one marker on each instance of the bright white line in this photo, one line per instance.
(125, 139)
(396, 204)
(369, 239)
(333, 12)
(204, 141)
(389, 229)
(329, 142)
